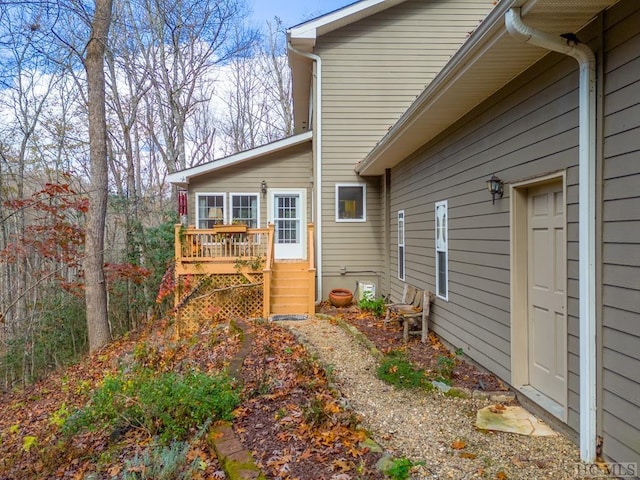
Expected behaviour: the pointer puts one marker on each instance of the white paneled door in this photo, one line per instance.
(547, 323)
(288, 213)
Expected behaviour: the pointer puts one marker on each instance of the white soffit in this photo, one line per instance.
(489, 60)
(183, 176)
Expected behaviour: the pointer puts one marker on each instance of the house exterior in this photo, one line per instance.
(413, 106)
(543, 286)
(355, 71)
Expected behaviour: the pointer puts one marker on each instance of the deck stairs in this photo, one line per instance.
(290, 288)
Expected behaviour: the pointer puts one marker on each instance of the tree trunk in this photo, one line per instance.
(95, 286)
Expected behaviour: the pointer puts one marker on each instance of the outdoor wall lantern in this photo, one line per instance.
(263, 187)
(496, 187)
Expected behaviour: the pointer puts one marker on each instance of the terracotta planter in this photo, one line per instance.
(340, 297)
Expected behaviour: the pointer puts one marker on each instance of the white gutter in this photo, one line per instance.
(587, 217)
(317, 184)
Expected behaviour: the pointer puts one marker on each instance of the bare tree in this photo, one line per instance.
(257, 96)
(182, 42)
(95, 285)
(277, 82)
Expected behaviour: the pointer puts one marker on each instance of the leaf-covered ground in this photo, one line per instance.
(431, 356)
(290, 418)
(32, 445)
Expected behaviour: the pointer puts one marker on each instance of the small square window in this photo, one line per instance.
(351, 203)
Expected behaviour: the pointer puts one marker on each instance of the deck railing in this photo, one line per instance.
(225, 243)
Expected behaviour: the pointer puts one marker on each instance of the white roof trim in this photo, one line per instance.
(306, 33)
(182, 177)
(440, 105)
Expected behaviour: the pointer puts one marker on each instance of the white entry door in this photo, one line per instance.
(288, 214)
(547, 322)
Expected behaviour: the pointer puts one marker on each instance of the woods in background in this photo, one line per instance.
(183, 83)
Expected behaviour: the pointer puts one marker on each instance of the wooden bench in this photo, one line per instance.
(412, 311)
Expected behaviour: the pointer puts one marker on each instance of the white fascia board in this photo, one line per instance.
(305, 34)
(182, 177)
(402, 138)
(468, 54)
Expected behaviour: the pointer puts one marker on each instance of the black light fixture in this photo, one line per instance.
(495, 187)
(263, 187)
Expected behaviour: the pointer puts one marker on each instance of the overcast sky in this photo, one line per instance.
(293, 12)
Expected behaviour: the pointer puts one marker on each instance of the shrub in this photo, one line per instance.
(400, 468)
(396, 370)
(371, 304)
(167, 405)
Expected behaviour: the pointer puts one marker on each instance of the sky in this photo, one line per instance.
(293, 12)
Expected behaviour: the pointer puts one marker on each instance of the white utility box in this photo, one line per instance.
(365, 288)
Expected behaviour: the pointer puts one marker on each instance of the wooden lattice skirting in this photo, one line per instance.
(204, 298)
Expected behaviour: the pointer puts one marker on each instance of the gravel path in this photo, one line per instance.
(424, 426)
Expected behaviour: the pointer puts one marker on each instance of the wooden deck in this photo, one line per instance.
(232, 250)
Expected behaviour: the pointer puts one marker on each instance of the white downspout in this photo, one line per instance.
(317, 133)
(587, 217)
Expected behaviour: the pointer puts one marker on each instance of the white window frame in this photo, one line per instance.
(211, 194)
(441, 231)
(248, 194)
(401, 246)
(364, 202)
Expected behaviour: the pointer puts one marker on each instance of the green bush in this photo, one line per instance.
(400, 468)
(396, 370)
(55, 337)
(371, 304)
(168, 405)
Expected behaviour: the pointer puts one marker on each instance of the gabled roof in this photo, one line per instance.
(487, 61)
(183, 177)
(303, 38)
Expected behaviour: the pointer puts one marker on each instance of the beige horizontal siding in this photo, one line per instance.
(621, 236)
(291, 168)
(372, 70)
(527, 129)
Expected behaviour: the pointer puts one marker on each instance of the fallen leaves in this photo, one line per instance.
(458, 444)
(301, 411)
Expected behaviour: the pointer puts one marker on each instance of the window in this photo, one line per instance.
(442, 251)
(350, 203)
(244, 209)
(211, 209)
(401, 244)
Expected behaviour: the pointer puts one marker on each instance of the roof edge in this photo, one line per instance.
(182, 177)
(304, 35)
(490, 26)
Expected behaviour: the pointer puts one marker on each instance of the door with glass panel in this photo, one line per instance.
(288, 212)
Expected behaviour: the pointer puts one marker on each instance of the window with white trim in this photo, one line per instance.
(351, 202)
(244, 209)
(401, 263)
(442, 250)
(210, 209)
